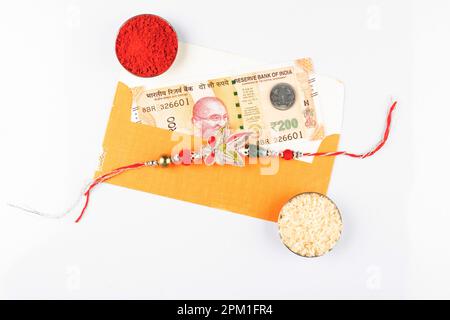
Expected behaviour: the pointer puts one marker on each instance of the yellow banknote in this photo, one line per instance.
(276, 104)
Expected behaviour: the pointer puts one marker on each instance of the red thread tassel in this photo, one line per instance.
(360, 155)
(104, 178)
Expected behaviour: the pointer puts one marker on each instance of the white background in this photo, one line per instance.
(58, 77)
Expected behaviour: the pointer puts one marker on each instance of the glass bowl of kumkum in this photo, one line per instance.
(146, 45)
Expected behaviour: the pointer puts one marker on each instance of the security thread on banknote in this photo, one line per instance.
(277, 105)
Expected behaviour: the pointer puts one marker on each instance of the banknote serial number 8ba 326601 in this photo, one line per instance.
(281, 138)
(167, 105)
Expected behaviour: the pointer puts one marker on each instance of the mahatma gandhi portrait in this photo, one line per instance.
(209, 115)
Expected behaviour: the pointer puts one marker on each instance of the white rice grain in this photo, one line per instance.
(310, 224)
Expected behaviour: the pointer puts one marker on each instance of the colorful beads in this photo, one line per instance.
(253, 151)
(196, 156)
(263, 152)
(212, 141)
(288, 154)
(185, 157)
(151, 163)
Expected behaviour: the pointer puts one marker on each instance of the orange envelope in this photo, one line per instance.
(238, 189)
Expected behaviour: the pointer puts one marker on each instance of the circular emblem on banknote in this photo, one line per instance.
(282, 96)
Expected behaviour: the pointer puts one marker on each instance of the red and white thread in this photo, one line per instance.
(153, 163)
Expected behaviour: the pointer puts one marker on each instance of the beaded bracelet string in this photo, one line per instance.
(220, 149)
(210, 152)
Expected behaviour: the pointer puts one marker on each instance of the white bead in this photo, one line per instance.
(176, 158)
(151, 163)
(196, 156)
(274, 154)
(244, 151)
(298, 154)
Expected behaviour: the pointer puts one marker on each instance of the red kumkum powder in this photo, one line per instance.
(146, 45)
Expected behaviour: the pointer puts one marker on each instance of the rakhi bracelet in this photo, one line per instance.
(187, 157)
(213, 153)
